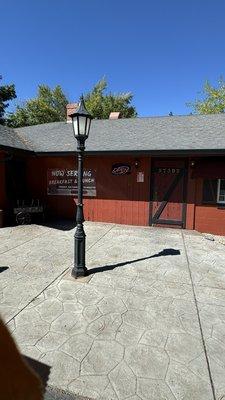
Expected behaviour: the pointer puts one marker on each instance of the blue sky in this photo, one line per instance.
(160, 50)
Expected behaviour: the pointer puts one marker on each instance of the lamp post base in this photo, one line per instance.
(79, 272)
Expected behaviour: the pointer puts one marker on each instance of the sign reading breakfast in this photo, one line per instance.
(63, 182)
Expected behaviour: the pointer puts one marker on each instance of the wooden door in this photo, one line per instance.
(168, 193)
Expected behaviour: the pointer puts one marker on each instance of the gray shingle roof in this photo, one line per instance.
(193, 132)
(10, 138)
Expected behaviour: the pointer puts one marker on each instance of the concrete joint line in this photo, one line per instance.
(199, 319)
(21, 244)
(101, 237)
(61, 274)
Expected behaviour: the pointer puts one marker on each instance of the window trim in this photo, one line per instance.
(218, 192)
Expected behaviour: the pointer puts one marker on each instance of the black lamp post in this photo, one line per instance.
(81, 120)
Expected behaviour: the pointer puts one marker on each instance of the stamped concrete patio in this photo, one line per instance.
(147, 323)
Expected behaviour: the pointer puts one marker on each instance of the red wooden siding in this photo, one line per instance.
(208, 218)
(120, 199)
(191, 199)
(2, 182)
(203, 217)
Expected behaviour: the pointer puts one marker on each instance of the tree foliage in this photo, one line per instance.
(7, 92)
(48, 106)
(101, 104)
(213, 99)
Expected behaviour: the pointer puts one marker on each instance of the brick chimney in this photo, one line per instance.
(70, 108)
(114, 115)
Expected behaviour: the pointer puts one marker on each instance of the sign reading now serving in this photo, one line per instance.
(63, 182)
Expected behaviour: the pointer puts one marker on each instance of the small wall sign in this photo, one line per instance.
(121, 169)
(140, 177)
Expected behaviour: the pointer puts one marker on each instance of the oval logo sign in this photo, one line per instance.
(121, 169)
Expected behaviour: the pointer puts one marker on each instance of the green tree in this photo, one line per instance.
(7, 92)
(48, 106)
(101, 104)
(213, 99)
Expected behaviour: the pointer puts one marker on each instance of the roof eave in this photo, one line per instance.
(137, 152)
(15, 149)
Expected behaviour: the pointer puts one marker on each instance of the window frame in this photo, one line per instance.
(218, 192)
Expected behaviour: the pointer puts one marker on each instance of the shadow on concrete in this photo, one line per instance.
(163, 253)
(2, 269)
(59, 394)
(62, 224)
(42, 370)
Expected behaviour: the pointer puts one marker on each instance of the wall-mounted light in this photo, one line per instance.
(137, 163)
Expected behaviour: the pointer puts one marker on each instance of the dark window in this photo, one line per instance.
(210, 191)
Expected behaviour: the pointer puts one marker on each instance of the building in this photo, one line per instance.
(161, 171)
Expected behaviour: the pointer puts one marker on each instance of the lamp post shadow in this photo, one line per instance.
(2, 269)
(163, 253)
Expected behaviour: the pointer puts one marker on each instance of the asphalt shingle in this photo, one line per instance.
(193, 132)
(10, 138)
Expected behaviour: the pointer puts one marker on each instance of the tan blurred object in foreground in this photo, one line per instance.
(17, 380)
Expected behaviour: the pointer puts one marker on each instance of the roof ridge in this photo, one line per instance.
(119, 120)
(45, 123)
(24, 141)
